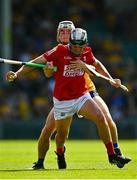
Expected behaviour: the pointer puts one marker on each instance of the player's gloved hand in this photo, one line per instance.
(49, 69)
(116, 83)
(11, 76)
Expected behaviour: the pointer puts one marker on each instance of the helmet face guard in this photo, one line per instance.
(78, 41)
(64, 30)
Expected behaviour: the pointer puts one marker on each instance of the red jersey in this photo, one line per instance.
(69, 83)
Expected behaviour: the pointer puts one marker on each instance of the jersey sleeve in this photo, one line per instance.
(91, 57)
(51, 54)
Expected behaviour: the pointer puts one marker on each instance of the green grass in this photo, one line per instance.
(85, 159)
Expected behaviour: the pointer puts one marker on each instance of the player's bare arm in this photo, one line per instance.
(102, 70)
(11, 76)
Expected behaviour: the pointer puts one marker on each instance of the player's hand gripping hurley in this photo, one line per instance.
(94, 72)
(11, 76)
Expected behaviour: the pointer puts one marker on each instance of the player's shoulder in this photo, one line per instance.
(88, 49)
(61, 47)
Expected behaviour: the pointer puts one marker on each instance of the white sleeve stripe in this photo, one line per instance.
(51, 51)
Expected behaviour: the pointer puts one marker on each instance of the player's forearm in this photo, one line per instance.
(102, 70)
(25, 69)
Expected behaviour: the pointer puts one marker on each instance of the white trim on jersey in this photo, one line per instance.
(51, 51)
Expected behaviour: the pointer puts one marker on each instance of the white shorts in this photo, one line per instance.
(64, 109)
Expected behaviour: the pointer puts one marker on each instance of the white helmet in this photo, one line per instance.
(78, 37)
(66, 27)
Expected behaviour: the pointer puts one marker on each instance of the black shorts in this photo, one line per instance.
(93, 93)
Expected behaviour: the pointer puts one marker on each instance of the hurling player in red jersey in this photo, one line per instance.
(50, 126)
(70, 95)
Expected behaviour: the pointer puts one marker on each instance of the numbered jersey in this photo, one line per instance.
(69, 83)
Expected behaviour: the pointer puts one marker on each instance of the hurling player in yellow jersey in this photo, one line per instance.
(63, 33)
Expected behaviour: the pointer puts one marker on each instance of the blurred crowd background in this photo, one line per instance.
(112, 34)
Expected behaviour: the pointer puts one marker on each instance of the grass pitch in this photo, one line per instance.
(86, 159)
